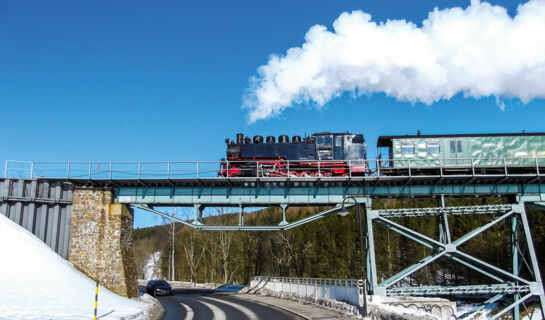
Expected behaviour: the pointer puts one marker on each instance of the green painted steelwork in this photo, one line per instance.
(322, 195)
(465, 151)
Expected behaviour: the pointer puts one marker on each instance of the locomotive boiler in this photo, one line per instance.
(322, 154)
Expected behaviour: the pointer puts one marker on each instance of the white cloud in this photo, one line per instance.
(480, 51)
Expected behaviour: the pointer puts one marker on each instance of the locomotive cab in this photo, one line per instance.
(339, 146)
(346, 147)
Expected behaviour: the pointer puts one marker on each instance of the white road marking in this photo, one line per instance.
(247, 312)
(189, 312)
(218, 313)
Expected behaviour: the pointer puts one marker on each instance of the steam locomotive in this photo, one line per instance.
(323, 154)
(328, 154)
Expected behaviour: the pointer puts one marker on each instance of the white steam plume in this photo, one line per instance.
(480, 51)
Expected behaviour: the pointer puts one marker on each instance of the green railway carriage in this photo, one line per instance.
(485, 153)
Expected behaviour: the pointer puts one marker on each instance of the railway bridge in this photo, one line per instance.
(84, 212)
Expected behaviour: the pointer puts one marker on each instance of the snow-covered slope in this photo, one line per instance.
(36, 283)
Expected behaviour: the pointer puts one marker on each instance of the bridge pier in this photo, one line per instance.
(101, 240)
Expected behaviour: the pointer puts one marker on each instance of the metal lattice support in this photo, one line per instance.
(505, 285)
(197, 223)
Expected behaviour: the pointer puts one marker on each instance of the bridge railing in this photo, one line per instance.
(273, 169)
(316, 290)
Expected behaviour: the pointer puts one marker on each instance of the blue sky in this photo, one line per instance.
(150, 81)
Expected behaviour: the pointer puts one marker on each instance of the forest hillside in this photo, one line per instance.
(328, 247)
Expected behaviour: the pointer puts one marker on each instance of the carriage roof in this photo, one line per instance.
(386, 141)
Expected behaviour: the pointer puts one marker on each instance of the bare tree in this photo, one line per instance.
(193, 254)
(211, 254)
(298, 255)
(169, 229)
(224, 241)
(280, 253)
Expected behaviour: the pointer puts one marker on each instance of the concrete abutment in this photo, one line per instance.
(101, 240)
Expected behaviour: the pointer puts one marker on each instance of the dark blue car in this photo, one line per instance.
(158, 287)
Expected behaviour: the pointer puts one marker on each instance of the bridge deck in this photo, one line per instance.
(345, 181)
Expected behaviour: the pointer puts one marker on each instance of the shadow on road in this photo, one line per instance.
(227, 288)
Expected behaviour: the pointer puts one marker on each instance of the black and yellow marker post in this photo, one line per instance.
(96, 300)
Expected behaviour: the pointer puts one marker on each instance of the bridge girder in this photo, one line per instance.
(309, 195)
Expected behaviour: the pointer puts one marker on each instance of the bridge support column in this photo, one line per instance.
(101, 240)
(198, 214)
(284, 206)
(241, 215)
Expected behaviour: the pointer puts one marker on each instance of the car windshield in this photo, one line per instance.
(161, 283)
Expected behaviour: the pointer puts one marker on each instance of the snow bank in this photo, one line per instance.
(36, 283)
(535, 316)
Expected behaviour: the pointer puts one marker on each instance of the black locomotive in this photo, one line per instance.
(323, 154)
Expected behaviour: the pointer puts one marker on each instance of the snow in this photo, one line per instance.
(535, 316)
(152, 269)
(480, 315)
(39, 284)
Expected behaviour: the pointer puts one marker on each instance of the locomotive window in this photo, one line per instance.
(338, 141)
(433, 147)
(323, 141)
(452, 147)
(459, 145)
(407, 148)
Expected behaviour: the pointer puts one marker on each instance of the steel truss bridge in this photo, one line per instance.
(150, 186)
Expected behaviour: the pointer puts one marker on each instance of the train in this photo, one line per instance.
(328, 154)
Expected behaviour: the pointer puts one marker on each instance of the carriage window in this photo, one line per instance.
(452, 147)
(459, 145)
(407, 148)
(433, 147)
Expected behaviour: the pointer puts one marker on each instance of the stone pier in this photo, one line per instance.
(101, 240)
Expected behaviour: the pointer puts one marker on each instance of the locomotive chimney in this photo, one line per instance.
(258, 139)
(283, 139)
(418, 132)
(240, 137)
(271, 139)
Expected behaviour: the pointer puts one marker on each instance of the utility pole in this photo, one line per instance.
(173, 232)
(363, 246)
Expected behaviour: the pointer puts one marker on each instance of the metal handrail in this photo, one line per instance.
(326, 281)
(288, 168)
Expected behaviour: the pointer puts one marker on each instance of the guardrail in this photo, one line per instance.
(316, 290)
(272, 169)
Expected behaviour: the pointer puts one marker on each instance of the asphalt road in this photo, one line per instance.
(207, 304)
